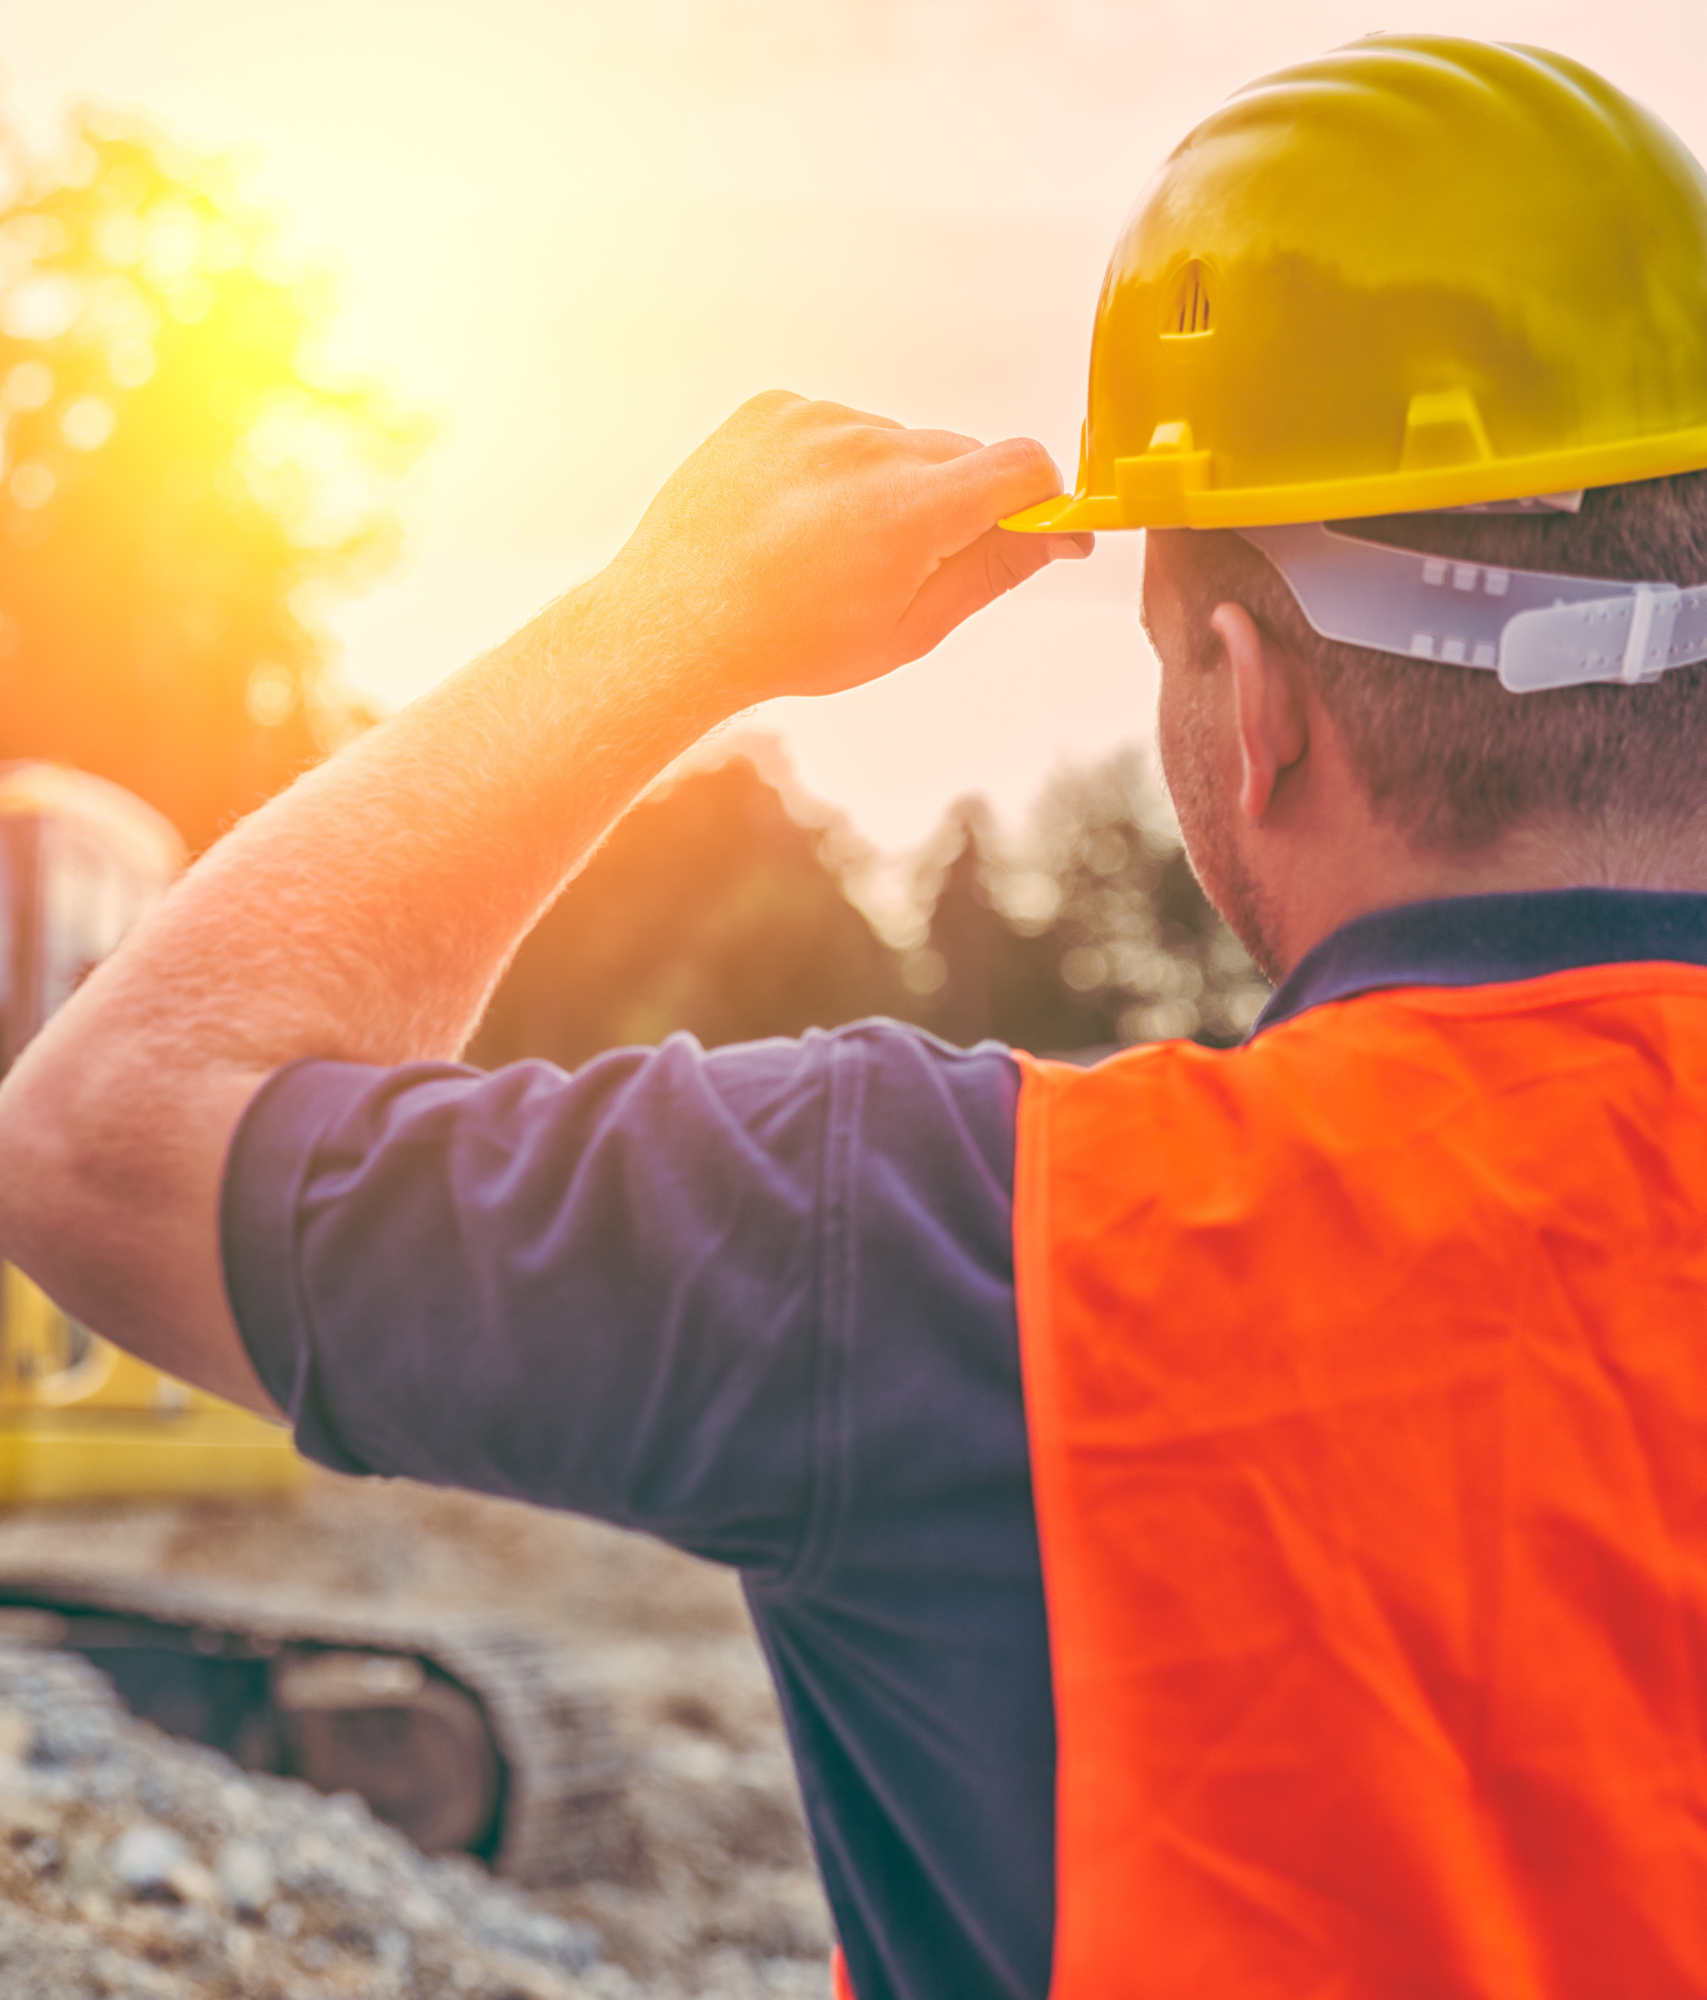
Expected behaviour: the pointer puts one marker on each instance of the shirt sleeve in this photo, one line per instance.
(604, 1291)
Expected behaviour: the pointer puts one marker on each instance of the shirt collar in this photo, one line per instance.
(1489, 940)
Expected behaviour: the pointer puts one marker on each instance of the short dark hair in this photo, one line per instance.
(1449, 756)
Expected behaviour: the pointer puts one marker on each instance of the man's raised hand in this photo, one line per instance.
(808, 547)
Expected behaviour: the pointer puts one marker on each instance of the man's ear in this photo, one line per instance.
(1268, 710)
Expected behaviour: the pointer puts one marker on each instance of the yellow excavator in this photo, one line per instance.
(80, 861)
(466, 1736)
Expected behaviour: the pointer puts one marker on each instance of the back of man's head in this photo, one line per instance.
(1450, 757)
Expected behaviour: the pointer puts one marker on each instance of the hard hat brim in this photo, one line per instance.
(1170, 489)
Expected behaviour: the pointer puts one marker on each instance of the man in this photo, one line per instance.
(1308, 1436)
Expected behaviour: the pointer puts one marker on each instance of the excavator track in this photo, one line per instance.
(466, 1735)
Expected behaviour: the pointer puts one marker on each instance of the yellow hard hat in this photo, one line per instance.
(1417, 272)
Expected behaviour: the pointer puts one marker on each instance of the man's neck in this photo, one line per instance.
(1381, 870)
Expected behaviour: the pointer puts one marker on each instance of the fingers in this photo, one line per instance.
(986, 569)
(991, 475)
(936, 447)
(844, 413)
(976, 489)
(933, 446)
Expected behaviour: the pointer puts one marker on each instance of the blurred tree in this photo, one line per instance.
(708, 909)
(1102, 937)
(979, 973)
(712, 909)
(1142, 949)
(182, 486)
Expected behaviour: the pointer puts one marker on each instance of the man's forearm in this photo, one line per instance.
(367, 913)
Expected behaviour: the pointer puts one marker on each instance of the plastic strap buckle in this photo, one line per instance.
(1651, 621)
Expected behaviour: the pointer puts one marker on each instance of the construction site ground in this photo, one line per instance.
(716, 1894)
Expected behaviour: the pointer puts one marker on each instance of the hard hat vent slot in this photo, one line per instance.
(1189, 312)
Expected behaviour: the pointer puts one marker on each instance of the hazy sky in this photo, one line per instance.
(581, 233)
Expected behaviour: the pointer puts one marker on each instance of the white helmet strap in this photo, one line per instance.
(1535, 630)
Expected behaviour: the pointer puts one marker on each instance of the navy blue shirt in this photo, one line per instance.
(759, 1302)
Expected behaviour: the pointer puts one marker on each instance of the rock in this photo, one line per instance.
(538, 1935)
(152, 1864)
(17, 1736)
(421, 1910)
(145, 1858)
(23, 1817)
(245, 1878)
(311, 1862)
(391, 1949)
(157, 1794)
(284, 1920)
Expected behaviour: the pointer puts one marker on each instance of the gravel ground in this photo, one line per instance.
(131, 1864)
(135, 1865)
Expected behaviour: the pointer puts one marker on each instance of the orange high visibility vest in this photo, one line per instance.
(1366, 1372)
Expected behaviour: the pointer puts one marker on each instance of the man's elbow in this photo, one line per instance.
(50, 1149)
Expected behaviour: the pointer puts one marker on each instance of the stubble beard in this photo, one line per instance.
(1206, 823)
